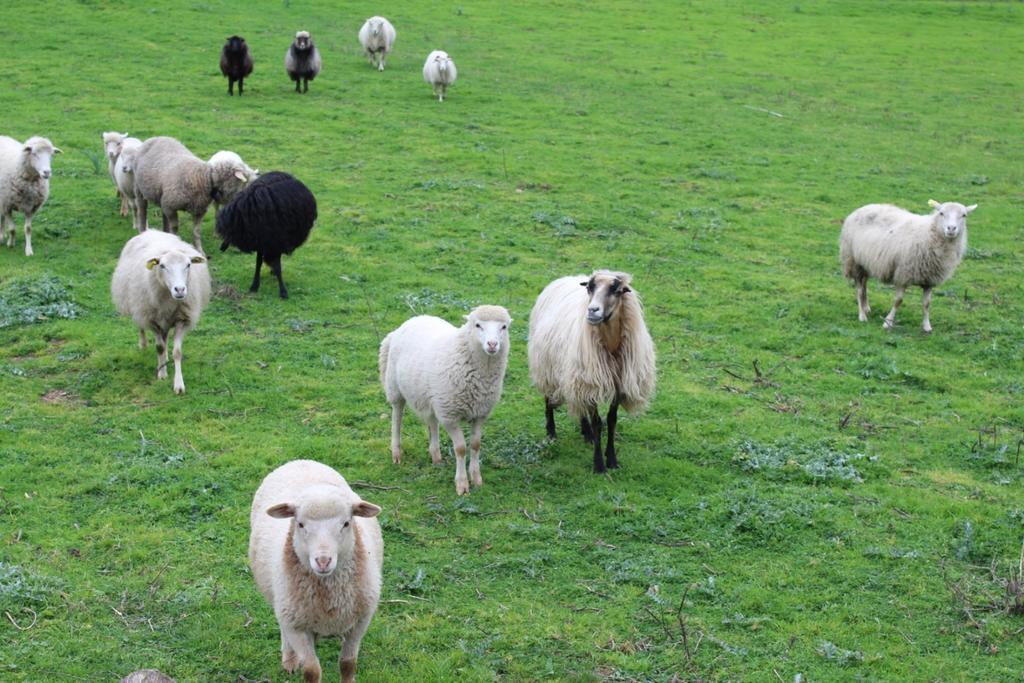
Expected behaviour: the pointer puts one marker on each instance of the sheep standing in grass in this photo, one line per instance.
(169, 175)
(448, 375)
(24, 183)
(377, 37)
(440, 72)
(163, 284)
(589, 346)
(316, 554)
(235, 63)
(124, 174)
(225, 158)
(112, 144)
(272, 216)
(902, 249)
(302, 61)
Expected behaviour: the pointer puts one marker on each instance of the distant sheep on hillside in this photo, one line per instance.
(235, 63)
(24, 183)
(440, 72)
(377, 37)
(302, 61)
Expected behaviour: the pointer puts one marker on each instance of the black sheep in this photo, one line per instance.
(272, 216)
(235, 63)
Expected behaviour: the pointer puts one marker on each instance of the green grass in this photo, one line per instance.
(834, 514)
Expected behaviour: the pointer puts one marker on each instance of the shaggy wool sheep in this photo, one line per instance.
(448, 375)
(235, 63)
(124, 174)
(902, 249)
(163, 284)
(112, 144)
(440, 72)
(24, 183)
(377, 37)
(302, 61)
(589, 346)
(272, 216)
(316, 554)
(169, 175)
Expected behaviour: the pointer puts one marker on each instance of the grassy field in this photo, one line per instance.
(808, 498)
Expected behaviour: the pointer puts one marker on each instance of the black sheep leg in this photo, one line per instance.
(595, 424)
(241, 81)
(609, 452)
(585, 430)
(305, 85)
(256, 277)
(275, 266)
(231, 84)
(549, 415)
(298, 84)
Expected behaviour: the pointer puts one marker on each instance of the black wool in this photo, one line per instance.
(235, 62)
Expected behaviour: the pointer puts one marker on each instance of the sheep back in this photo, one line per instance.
(273, 215)
(170, 175)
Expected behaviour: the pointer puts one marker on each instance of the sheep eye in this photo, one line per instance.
(163, 267)
(479, 326)
(301, 525)
(345, 524)
(504, 327)
(941, 213)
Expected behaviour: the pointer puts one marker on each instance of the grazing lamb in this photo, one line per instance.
(169, 175)
(272, 216)
(316, 554)
(24, 183)
(235, 63)
(162, 283)
(124, 173)
(112, 144)
(588, 347)
(440, 72)
(448, 375)
(903, 249)
(231, 159)
(377, 37)
(302, 61)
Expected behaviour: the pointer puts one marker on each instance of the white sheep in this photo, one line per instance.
(24, 183)
(316, 554)
(377, 37)
(124, 174)
(162, 283)
(589, 345)
(448, 375)
(440, 72)
(112, 143)
(903, 249)
(168, 174)
(231, 160)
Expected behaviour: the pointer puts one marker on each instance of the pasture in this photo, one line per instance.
(807, 496)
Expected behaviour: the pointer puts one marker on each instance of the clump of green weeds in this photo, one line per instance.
(35, 299)
(817, 463)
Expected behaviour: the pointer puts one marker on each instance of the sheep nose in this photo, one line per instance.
(45, 174)
(180, 291)
(492, 346)
(593, 310)
(323, 563)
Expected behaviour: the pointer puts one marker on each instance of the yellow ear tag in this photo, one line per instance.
(198, 259)
(152, 262)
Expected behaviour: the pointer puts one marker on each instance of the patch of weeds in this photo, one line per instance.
(427, 300)
(965, 544)
(701, 221)
(412, 585)
(35, 299)
(739, 619)
(93, 157)
(516, 448)
(641, 571)
(891, 553)
(978, 254)
(714, 173)
(766, 519)
(20, 588)
(564, 226)
(843, 657)
(303, 326)
(434, 184)
(819, 463)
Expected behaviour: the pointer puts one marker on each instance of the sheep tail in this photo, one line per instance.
(382, 360)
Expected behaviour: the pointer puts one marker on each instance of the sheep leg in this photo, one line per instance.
(862, 297)
(275, 268)
(161, 352)
(305, 85)
(142, 338)
(474, 453)
(435, 440)
(28, 235)
(170, 221)
(141, 207)
(124, 204)
(585, 430)
(179, 337)
(231, 83)
(396, 431)
(610, 459)
(289, 659)
(595, 423)
(304, 648)
(259, 264)
(380, 58)
(298, 83)
(890, 320)
(926, 301)
(350, 650)
(197, 226)
(459, 442)
(549, 416)
(241, 82)
(7, 225)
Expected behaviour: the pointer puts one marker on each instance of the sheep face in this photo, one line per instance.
(112, 144)
(172, 270)
(605, 290)
(39, 155)
(302, 40)
(376, 25)
(127, 161)
(322, 527)
(236, 44)
(951, 218)
(490, 324)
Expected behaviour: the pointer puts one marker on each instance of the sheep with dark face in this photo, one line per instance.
(302, 61)
(235, 62)
(272, 216)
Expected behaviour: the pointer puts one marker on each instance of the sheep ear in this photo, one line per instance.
(972, 207)
(198, 259)
(365, 509)
(58, 150)
(584, 284)
(625, 290)
(281, 511)
(27, 149)
(152, 262)
(934, 204)
(241, 176)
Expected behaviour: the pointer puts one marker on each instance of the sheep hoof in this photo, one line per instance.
(863, 317)
(927, 329)
(461, 486)
(477, 479)
(290, 662)
(28, 251)
(396, 456)
(436, 458)
(179, 389)
(887, 325)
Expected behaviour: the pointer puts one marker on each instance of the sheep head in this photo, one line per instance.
(112, 143)
(322, 525)
(302, 40)
(605, 289)
(951, 218)
(39, 153)
(172, 269)
(490, 325)
(236, 44)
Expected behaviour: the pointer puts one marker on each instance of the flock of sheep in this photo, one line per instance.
(316, 550)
